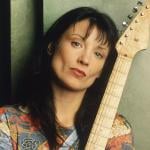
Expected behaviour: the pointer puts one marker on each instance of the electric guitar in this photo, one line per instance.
(135, 38)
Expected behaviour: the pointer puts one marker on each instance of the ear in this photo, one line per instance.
(49, 49)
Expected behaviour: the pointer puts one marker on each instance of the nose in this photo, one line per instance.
(84, 58)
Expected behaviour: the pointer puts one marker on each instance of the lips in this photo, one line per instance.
(78, 73)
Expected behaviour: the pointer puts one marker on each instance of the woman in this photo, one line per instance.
(78, 54)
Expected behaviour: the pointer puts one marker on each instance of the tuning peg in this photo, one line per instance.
(126, 35)
(135, 9)
(147, 6)
(124, 23)
(130, 16)
(142, 13)
(140, 2)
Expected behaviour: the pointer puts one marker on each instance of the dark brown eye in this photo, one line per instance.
(98, 54)
(76, 44)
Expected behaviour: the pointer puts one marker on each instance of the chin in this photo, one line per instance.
(72, 86)
(76, 86)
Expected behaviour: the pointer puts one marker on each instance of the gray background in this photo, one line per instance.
(135, 101)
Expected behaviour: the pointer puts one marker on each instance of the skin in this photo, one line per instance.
(77, 62)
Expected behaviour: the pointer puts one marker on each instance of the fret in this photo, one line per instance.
(121, 60)
(101, 122)
(112, 94)
(98, 147)
(121, 68)
(117, 79)
(109, 105)
(122, 65)
(104, 132)
(112, 83)
(113, 101)
(99, 143)
(119, 83)
(101, 119)
(96, 128)
(114, 90)
(107, 113)
(93, 146)
(102, 128)
(120, 71)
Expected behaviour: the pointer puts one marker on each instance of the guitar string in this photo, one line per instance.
(109, 90)
(98, 118)
(117, 79)
(124, 67)
(108, 99)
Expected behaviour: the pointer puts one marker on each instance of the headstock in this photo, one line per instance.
(137, 35)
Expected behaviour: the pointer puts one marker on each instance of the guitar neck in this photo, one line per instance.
(103, 122)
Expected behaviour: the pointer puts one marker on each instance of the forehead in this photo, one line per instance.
(85, 29)
(80, 27)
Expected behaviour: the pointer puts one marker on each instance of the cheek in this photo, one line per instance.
(56, 62)
(96, 71)
(58, 57)
(60, 61)
(62, 53)
(95, 74)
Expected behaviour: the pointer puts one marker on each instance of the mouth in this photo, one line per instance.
(78, 73)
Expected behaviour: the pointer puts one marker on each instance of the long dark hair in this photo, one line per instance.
(40, 96)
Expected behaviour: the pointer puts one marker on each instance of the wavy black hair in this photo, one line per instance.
(40, 95)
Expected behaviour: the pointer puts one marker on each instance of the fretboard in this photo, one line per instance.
(105, 116)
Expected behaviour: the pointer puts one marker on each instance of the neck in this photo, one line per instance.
(67, 103)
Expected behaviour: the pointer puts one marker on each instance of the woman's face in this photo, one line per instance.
(78, 61)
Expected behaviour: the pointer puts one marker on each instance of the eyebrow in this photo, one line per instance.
(101, 47)
(78, 35)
